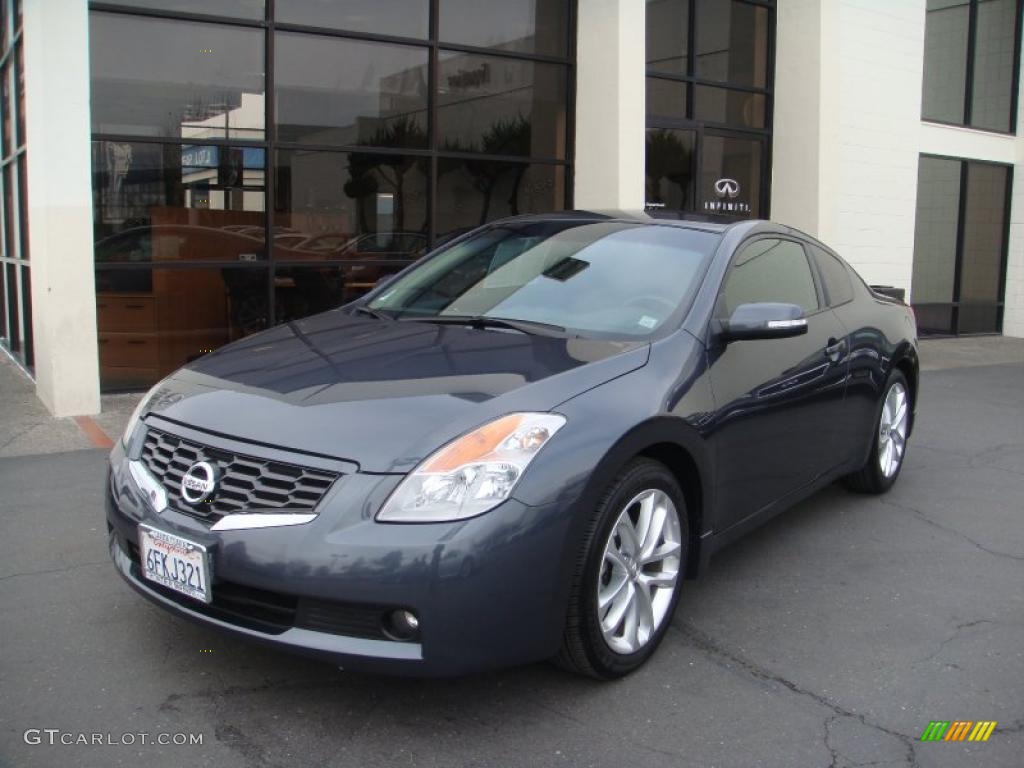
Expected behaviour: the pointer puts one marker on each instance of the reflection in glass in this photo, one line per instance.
(736, 108)
(401, 18)
(732, 42)
(667, 35)
(242, 9)
(501, 106)
(350, 205)
(157, 77)
(935, 233)
(992, 85)
(666, 98)
(473, 192)
(730, 158)
(525, 26)
(350, 92)
(669, 169)
(984, 246)
(153, 321)
(155, 202)
(307, 290)
(945, 60)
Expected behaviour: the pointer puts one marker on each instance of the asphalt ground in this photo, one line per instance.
(829, 637)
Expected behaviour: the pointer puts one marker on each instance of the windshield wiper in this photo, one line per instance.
(371, 312)
(532, 327)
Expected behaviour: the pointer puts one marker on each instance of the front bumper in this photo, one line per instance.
(489, 592)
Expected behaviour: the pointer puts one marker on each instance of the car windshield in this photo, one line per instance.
(603, 279)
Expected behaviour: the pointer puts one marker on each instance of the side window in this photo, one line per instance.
(835, 275)
(770, 270)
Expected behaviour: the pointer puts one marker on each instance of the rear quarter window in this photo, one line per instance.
(835, 275)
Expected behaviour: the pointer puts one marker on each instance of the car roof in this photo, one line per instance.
(662, 218)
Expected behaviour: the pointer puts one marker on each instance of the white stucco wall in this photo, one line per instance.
(57, 128)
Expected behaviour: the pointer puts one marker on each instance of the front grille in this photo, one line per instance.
(246, 484)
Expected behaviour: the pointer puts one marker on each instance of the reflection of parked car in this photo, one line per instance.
(393, 249)
(325, 242)
(177, 242)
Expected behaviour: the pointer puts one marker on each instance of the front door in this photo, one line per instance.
(694, 169)
(778, 401)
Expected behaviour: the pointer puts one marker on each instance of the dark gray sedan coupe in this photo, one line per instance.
(517, 449)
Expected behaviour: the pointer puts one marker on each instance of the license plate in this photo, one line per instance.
(175, 563)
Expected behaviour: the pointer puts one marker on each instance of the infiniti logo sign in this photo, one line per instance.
(199, 482)
(727, 188)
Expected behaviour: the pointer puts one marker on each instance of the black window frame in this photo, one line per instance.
(16, 334)
(434, 44)
(972, 30)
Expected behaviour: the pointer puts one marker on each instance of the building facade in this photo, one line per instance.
(177, 174)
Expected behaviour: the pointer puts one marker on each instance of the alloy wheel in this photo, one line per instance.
(639, 571)
(892, 430)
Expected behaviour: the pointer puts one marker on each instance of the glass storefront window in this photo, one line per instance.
(732, 42)
(993, 70)
(728, 107)
(960, 246)
(178, 202)
(500, 106)
(152, 321)
(525, 26)
(670, 155)
(969, 58)
(242, 9)
(736, 159)
(179, 79)
(366, 176)
(708, 95)
(343, 205)
(399, 18)
(335, 91)
(474, 192)
(668, 33)
(666, 99)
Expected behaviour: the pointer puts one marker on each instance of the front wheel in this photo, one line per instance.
(628, 576)
(889, 445)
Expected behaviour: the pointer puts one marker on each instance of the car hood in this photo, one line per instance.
(381, 393)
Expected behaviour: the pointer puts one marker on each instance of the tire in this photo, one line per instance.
(878, 475)
(642, 490)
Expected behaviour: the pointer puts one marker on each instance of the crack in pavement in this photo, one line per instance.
(721, 656)
(956, 633)
(54, 570)
(959, 534)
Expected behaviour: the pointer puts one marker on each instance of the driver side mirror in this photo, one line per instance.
(764, 320)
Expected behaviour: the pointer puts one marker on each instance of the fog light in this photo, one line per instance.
(401, 624)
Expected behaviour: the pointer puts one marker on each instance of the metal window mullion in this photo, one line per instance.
(972, 30)
(433, 80)
(269, 162)
(691, 63)
(958, 261)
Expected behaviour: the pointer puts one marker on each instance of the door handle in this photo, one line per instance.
(834, 350)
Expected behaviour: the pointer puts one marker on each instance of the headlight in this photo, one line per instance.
(474, 473)
(140, 409)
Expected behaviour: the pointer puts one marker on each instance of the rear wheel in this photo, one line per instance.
(627, 579)
(889, 446)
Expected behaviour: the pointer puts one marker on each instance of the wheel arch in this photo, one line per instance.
(684, 452)
(906, 362)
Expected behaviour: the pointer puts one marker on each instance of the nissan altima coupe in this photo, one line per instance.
(517, 449)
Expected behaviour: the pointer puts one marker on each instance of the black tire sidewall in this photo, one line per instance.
(636, 477)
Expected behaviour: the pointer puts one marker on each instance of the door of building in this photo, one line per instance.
(712, 171)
